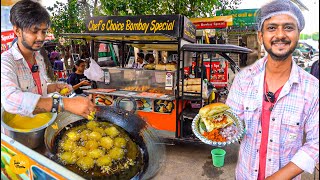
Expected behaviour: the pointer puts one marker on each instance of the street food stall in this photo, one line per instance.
(153, 92)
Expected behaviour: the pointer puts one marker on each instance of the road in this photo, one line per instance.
(186, 161)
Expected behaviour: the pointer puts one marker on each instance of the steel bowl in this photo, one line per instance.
(32, 139)
(153, 150)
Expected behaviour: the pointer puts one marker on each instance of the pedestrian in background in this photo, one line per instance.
(315, 67)
(77, 79)
(140, 61)
(278, 102)
(24, 88)
(243, 56)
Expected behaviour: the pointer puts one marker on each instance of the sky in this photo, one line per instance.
(311, 16)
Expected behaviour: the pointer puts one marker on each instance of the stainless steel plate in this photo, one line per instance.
(237, 122)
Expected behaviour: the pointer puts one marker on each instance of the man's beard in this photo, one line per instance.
(281, 57)
(26, 45)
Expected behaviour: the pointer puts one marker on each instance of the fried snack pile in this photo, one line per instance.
(97, 145)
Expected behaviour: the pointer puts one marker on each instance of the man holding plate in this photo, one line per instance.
(278, 102)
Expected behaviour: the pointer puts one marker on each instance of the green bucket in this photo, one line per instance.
(218, 157)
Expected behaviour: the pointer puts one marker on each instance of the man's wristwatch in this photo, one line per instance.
(55, 103)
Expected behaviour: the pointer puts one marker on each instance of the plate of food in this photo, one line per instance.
(217, 125)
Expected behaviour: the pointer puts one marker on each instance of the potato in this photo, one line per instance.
(112, 131)
(120, 142)
(73, 135)
(95, 153)
(68, 157)
(91, 144)
(104, 161)
(80, 151)
(64, 91)
(92, 124)
(85, 134)
(68, 145)
(106, 142)
(116, 153)
(95, 136)
(85, 163)
(99, 130)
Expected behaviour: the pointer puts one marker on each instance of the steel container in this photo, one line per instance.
(32, 139)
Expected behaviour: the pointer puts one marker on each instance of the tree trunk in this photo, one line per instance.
(47, 62)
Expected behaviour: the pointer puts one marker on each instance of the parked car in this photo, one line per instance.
(306, 49)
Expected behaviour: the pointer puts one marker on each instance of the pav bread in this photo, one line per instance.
(160, 67)
(213, 116)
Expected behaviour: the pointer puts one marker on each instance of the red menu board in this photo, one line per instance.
(6, 39)
(219, 72)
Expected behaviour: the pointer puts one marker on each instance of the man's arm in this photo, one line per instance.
(288, 172)
(81, 106)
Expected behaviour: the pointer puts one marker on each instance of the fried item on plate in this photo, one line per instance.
(213, 116)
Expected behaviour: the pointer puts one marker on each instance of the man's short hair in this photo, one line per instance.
(26, 13)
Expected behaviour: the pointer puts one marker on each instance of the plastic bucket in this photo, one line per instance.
(218, 157)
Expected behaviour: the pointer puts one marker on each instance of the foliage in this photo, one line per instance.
(313, 36)
(64, 18)
(189, 8)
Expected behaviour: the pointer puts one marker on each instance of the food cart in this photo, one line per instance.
(154, 93)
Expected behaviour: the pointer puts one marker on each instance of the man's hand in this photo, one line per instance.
(79, 105)
(57, 87)
(64, 87)
(287, 172)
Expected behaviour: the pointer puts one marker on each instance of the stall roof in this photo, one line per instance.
(215, 48)
(148, 41)
(120, 37)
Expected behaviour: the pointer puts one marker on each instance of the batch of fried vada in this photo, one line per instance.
(215, 124)
(97, 144)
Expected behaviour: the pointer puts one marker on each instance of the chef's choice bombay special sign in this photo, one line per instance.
(165, 24)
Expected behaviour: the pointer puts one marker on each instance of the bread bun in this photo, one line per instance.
(212, 109)
(170, 67)
(160, 67)
(194, 81)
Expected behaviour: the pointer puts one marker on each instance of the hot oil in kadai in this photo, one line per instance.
(99, 150)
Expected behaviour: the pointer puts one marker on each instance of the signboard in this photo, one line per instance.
(6, 40)
(7, 36)
(166, 24)
(8, 2)
(189, 30)
(227, 19)
(211, 25)
(219, 72)
(241, 17)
